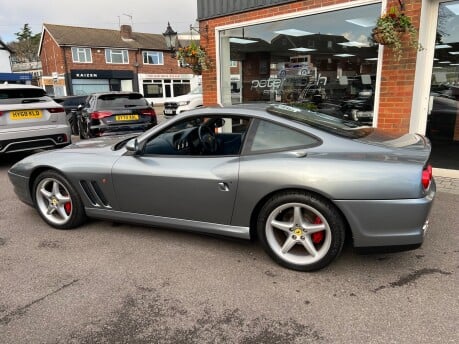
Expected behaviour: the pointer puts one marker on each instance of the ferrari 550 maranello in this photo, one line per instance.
(300, 181)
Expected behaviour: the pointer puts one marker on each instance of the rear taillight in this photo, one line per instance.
(56, 110)
(100, 114)
(148, 112)
(1, 114)
(426, 176)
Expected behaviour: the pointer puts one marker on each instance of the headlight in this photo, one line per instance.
(183, 103)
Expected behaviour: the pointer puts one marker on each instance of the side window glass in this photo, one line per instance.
(201, 136)
(270, 137)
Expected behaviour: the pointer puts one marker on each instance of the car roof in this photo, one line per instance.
(6, 86)
(115, 92)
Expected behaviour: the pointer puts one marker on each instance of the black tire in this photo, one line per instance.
(85, 132)
(73, 124)
(291, 245)
(74, 215)
(81, 131)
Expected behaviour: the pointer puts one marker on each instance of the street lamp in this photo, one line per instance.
(171, 38)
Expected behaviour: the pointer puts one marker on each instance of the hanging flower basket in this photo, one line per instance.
(193, 56)
(394, 29)
(191, 60)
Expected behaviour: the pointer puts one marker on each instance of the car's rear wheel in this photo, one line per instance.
(57, 201)
(300, 230)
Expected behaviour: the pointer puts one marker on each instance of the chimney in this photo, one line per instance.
(126, 32)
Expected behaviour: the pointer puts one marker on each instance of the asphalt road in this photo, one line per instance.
(116, 283)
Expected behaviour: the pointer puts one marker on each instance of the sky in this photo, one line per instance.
(149, 16)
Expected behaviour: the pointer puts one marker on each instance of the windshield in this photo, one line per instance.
(322, 121)
(14, 93)
(197, 90)
(113, 100)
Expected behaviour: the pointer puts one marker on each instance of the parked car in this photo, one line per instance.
(359, 109)
(186, 102)
(30, 120)
(70, 104)
(290, 68)
(115, 113)
(301, 181)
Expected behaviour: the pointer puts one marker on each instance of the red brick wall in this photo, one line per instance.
(51, 56)
(397, 80)
(397, 77)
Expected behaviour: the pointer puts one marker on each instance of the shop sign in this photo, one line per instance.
(101, 74)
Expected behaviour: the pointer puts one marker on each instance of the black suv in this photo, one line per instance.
(115, 113)
(70, 105)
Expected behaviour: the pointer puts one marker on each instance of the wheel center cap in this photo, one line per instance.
(298, 231)
(54, 202)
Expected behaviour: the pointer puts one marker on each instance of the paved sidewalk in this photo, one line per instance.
(447, 180)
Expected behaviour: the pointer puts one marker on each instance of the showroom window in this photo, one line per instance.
(153, 57)
(81, 55)
(311, 61)
(116, 56)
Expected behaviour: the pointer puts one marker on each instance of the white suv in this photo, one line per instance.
(29, 120)
(188, 101)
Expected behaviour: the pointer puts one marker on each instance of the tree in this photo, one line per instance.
(25, 48)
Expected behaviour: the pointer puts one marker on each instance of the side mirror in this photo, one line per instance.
(133, 146)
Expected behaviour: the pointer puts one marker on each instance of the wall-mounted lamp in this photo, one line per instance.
(171, 38)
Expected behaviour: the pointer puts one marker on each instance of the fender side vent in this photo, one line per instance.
(100, 194)
(88, 191)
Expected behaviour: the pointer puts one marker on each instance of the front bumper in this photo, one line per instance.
(388, 223)
(21, 187)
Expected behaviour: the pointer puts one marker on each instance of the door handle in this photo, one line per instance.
(222, 186)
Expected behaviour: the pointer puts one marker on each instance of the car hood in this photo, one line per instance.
(82, 155)
(185, 97)
(97, 143)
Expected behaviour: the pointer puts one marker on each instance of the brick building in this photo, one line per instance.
(320, 54)
(78, 60)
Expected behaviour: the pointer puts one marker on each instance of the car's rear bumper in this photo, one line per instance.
(34, 138)
(388, 223)
(107, 129)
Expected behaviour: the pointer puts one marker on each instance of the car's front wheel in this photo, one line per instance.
(301, 231)
(57, 201)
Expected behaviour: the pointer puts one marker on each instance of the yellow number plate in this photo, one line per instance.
(127, 117)
(25, 114)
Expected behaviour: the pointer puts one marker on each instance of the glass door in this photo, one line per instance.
(443, 110)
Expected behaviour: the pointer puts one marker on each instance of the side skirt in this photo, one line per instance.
(166, 222)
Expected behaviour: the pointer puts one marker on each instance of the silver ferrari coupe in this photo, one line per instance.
(298, 180)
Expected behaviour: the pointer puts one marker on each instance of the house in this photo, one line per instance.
(80, 60)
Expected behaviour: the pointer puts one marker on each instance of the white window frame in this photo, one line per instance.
(76, 51)
(110, 52)
(159, 56)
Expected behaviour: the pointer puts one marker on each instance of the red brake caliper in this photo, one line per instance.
(68, 207)
(318, 237)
